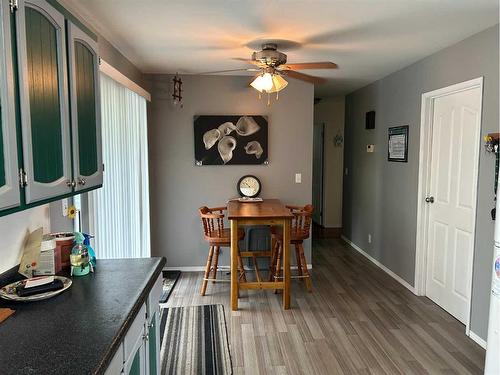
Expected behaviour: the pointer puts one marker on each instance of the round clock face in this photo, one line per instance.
(249, 186)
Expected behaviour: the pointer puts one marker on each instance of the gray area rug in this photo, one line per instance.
(194, 341)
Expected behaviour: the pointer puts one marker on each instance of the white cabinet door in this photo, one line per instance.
(43, 92)
(85, 108)
(136, 365)
(153, 327)
(9, 172)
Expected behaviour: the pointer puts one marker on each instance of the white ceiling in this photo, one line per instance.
(368, 39)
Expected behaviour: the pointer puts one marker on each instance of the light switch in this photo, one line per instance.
(298, 178)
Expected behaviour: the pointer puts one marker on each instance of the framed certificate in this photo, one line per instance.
(398, 144)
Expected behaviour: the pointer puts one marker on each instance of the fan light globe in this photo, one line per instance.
(279, 83)
(263, 83)
(267, 82)
(257, 83)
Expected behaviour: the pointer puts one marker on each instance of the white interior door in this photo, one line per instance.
(317, 182)
(453, 181)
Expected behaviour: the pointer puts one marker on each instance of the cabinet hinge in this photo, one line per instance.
(14, 5)
(23, 178)
(100, 60)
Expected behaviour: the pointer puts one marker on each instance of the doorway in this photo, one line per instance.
(447, 193)
(317, 177)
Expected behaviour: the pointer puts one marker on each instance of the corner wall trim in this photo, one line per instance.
(478, 340)
(380, 265)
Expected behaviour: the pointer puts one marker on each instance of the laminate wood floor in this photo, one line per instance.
(357, 320)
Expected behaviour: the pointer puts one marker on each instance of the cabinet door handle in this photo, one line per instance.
(70, 183)
(82, 181)
(145, 337)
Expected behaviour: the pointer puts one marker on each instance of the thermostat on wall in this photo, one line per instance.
(370, 148)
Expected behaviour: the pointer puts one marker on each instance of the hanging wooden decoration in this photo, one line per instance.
(177, 91)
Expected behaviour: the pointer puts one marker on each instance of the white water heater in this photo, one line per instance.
(492, 366)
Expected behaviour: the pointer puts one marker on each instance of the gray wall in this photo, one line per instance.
(178, 188)
(381, 197)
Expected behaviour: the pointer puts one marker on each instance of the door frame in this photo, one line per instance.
(322, 195)
(424, 170)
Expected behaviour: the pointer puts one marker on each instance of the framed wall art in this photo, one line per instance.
(398, 144)
(230, 140)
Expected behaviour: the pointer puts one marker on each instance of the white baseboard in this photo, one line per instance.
(477, 339)
(380, 265)
(185, 268)
(202, 268)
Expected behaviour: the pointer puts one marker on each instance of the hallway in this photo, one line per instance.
(356, 320)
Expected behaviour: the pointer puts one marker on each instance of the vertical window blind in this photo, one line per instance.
(119, 211)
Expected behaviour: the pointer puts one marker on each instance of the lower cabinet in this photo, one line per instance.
(139, 353)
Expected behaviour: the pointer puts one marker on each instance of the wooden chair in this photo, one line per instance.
(299, 231)
(217, 236)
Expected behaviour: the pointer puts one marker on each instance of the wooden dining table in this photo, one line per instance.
(268, 212)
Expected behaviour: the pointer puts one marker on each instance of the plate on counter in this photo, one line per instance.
(8, 292)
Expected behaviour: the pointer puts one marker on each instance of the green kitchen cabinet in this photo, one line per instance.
(85, 108)
(9, 170)
(44, 102)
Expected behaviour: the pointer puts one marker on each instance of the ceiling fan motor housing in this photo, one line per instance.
(269, 55)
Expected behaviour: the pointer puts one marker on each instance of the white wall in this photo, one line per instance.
(178, 187)
(330, 111)
(13, 231)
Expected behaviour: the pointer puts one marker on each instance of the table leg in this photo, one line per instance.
(234, 265)
(286, 263)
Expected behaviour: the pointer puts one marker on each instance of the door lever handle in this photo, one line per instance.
(429, 199)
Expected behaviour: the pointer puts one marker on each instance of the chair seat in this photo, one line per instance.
(224, 239)
(295, 236)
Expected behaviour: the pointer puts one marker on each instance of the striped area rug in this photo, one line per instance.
(194, 341)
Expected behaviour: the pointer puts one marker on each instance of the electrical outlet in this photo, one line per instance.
(298, 178)
(64, 206)
(369, 238)
(370, 148)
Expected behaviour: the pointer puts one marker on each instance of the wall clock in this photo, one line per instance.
(249, 186)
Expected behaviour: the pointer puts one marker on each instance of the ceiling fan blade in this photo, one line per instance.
(311, 65)
(231, 70)
(250, 61)
(305, 77)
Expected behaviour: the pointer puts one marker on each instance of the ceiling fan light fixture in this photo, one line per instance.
(263, 83)
(279, 83)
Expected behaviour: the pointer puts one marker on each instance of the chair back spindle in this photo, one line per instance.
(301, 221)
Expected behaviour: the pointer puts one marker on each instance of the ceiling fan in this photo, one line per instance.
(272, 66)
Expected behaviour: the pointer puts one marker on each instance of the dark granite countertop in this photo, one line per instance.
(78, 331)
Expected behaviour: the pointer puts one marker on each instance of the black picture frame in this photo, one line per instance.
(398, 139)
(208, 154)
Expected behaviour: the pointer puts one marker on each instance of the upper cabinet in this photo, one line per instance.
(9, 171)
(50, 117)
(85, 108)
(41, 42)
